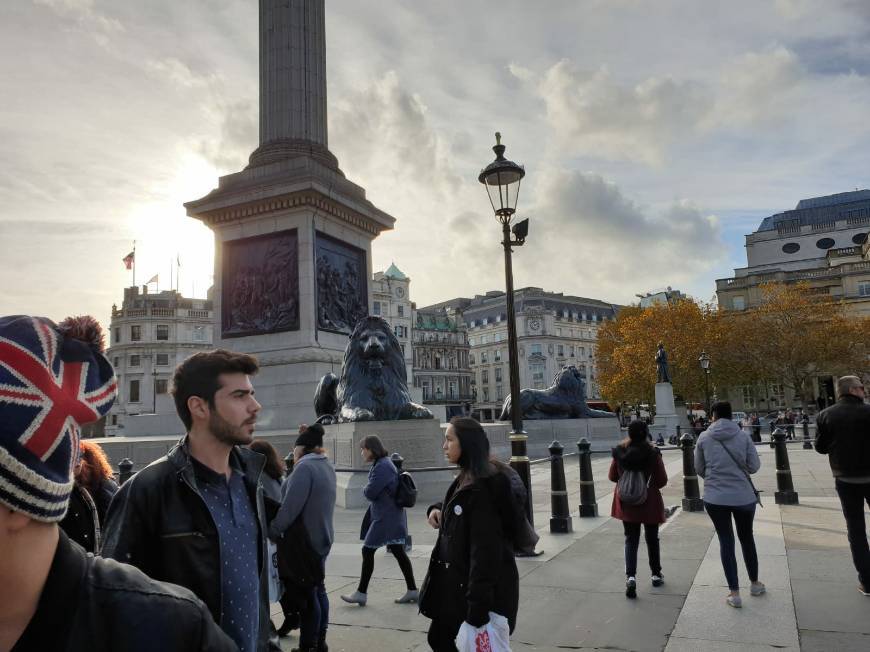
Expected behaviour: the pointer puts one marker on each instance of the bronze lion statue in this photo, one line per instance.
(566, 399)
(373, 385)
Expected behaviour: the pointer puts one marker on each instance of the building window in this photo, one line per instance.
(777, 394)
(199, 333)
(536, 349)
(538, 370)
(162, 332)
(470, 358)
(485, 395)
(864, 289)
(791, 248)
(117, 335)
(484, 377)
(376, 308)
(484, 339)
(401, 310)
(451, 389)
(748, 396)
(136, 333)
(859, 238)
(825, 243)
(583, 352)
(497, 356)
(560, 350)
(498, 374)
(738, 303)
(470, 341)
(573, 351)
(134, 361)
(499, 393)
(484, 358)
(160, 385)
(558, 332)
(162, 359)
(114, 419)
(134, 391)
(116, 361)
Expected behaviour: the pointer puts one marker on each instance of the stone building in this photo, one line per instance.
(441, 362)
(553, 330)
(391, 299)
(150, 335)
(824, 242)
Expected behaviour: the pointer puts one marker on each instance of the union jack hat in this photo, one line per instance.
(53, 380)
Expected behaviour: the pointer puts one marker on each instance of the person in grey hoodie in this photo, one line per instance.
(724, 457)
(310, 492)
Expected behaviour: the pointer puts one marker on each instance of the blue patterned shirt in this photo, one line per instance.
(236, 522)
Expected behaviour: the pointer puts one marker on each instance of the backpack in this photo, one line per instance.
(632, 487)
(406, 491)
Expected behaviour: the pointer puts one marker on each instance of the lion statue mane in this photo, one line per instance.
(566, 399)
(373, 385)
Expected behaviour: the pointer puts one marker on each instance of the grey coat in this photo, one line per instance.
(386, 521)
(724, 482)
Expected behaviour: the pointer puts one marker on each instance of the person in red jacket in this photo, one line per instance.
(636, 453)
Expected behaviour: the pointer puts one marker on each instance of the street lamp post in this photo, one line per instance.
(502, 178)
(704, 361)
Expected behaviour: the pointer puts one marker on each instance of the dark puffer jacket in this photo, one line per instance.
(843, 432)
(648, 460)
(472, 570)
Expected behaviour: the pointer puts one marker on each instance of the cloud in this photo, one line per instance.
(86, 17)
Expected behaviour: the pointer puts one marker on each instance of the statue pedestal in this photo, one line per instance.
(603, 433)
(666, 419)
(418, 441)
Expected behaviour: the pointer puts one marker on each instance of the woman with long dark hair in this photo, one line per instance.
(637, 454)
(93, 491)
(472, 572)
(273, 472)
(384, 523)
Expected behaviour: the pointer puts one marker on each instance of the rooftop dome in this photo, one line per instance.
(395, 272)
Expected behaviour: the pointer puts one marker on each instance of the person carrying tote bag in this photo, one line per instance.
(725, 457)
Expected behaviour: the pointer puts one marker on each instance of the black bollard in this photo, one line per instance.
(125, 470)
(808, 444)
(397, 460)
(560, 521)
(588, 506)
(691, 493)
(288, 462)
(785, 493)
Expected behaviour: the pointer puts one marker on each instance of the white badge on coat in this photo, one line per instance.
(457, 509)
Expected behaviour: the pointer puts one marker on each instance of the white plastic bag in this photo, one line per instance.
(492, 637)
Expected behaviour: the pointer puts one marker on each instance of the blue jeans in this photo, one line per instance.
(315, 619)
(743, 517)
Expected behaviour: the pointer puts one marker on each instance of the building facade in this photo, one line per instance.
(391, 299)
(441, 362)
(150, 335)
(823, 242)
(553, 331)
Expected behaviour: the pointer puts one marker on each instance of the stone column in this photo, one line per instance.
(292, 82)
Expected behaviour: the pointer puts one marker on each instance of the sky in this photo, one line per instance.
(655, 136)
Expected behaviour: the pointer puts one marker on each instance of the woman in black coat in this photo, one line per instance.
(472, 571)
(93, 491)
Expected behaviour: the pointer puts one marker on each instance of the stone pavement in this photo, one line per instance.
(572, 596)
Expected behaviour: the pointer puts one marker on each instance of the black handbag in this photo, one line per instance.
(299, 565)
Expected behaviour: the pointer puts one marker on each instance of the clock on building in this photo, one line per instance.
(534, 324)
(400, 292)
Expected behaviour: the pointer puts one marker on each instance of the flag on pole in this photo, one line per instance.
(178, 260)
(153, 279)
(129, 259)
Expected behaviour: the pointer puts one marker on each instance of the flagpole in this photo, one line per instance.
(134, 263)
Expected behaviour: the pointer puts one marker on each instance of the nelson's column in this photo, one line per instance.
(292, 235)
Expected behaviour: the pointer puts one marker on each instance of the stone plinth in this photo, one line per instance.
(666, 419)
(602, 433)
(418, 441)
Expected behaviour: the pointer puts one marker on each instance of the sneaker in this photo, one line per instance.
(863, 591)
(658, 579)
(356, 598)
(734, 601)
(409, 597)
(757, 588)
(631, 588)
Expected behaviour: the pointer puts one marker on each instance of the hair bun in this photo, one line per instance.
(84, 328)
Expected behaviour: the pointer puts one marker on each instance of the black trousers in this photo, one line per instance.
(852, 498)
(632, 543)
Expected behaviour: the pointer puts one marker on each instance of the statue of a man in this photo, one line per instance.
(663, 374)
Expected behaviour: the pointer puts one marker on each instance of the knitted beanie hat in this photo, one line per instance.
(311, 436)
(53, 380)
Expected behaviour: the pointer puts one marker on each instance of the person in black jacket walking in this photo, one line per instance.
(843, 433)
(472, 570)
(90, 499)
(55, 596)
(196, 517)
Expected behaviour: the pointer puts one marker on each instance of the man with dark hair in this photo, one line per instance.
(843, 434)
(196, 517)
(54, 596)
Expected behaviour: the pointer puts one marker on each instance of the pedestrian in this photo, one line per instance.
(472, 571)
(725, 457)
(55, 596)
(196, 516)
(273, 471)
(92, 492)
(843, 434)
(310, 493)
(756, 428)
(384, 523)
(635, 453)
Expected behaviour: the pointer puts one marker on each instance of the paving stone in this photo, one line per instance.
(831, 606)
(677, 644)
(815, 641)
